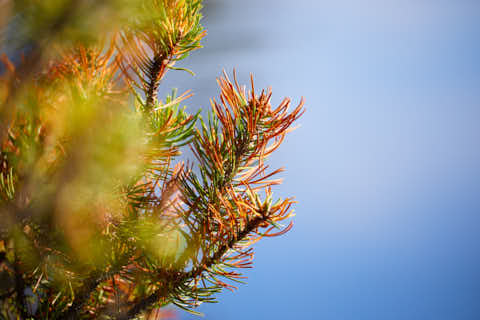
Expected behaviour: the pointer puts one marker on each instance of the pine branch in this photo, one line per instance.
(165, 33)
(186, 277)
(175, 235)
(250, 227)
(90, 284)
(155, 73)
(245, 136)
(32, 63)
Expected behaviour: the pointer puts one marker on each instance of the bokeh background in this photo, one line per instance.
(385, 165)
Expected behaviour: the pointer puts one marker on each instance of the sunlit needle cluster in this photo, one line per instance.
(99, 217)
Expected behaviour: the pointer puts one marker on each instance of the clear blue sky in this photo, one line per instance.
(386, 165)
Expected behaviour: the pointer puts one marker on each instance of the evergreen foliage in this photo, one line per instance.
(99, 219)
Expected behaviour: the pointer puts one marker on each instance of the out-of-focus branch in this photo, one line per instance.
(20, 290)
(89, 285)
(32, 63)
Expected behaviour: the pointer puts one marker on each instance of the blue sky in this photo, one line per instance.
(385, 165)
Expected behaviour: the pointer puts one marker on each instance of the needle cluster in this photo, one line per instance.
(99, 217)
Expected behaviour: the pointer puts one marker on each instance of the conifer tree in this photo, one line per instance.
(99, 217)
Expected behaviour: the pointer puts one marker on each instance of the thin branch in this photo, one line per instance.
(89, 285)
(157, 67)
(194, 273)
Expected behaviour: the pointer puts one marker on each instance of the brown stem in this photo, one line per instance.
(154, 297)
(89, 285)
(157, 67)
